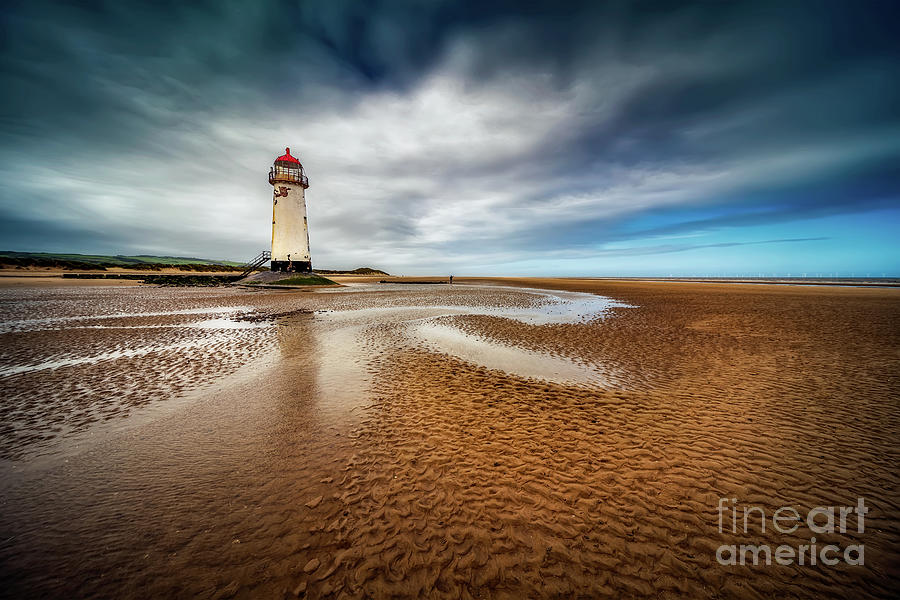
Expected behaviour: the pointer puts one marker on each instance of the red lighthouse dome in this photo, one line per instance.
(286, 157)
(288, 169)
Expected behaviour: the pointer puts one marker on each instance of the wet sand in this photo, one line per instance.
(41, 280)
(442, 441)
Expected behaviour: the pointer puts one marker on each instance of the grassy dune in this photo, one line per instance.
(100, 261)
(304, 280)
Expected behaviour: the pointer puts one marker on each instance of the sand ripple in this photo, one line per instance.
(366, 461)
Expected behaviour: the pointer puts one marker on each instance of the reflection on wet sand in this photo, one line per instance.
(509, 359)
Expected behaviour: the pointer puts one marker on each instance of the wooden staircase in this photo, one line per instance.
(255, 263)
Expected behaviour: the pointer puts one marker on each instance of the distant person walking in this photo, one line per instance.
(451, 280)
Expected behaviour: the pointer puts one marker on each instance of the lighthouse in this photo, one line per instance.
(290, 233)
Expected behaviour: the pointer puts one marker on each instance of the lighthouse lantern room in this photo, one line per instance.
(290, 233)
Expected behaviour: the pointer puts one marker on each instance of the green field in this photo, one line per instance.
(359, 271)
(304, 280)
(116, 261)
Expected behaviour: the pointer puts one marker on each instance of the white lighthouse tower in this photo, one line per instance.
(290, 233)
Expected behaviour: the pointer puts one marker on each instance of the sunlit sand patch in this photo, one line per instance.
(114, 355)
(225, 323)
(51, 322)
(215, 323)
(510, 359)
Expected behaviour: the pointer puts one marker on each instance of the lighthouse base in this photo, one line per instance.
(297, 266)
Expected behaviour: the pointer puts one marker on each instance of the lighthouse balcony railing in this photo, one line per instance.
(290, 176)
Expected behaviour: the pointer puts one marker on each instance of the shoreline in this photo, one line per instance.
(51, 274)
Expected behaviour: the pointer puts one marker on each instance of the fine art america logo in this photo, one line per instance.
(820, 520)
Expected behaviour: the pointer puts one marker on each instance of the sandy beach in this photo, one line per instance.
(494, 438)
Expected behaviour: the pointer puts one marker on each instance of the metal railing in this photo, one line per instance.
(256, 262)
(288, 175)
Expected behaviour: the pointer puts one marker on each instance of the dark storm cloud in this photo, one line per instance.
(440, 133)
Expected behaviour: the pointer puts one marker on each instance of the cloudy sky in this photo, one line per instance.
(604, 138)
